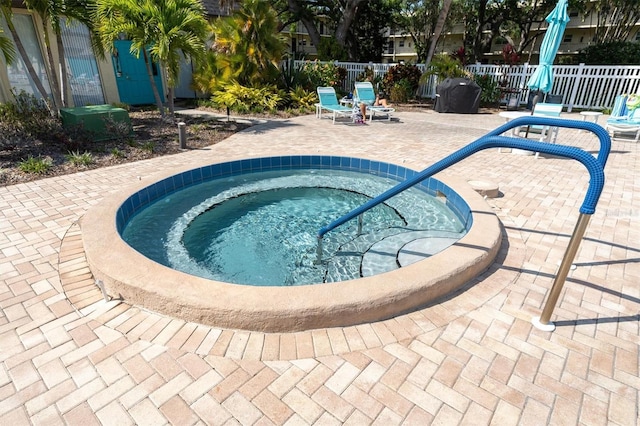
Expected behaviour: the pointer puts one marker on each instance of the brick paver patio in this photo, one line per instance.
(68, 357)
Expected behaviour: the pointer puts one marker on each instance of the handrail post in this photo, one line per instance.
(359, 224)
(542, 322)
(319, 250)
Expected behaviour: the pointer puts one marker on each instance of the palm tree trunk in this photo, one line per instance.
(64, 90)
(53, 80)
(27, 63)
(442, 18)
(172, 109)
(154, 87)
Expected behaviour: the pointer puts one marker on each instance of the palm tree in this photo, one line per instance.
(160, 30)
(5, 8)
(442, 17)
(250, 43)
(51, 12)
(6, 47)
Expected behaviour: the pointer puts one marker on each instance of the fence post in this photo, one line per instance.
(576, 84)
(524, 93)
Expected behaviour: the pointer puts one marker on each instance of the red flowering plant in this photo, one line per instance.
(510, 57)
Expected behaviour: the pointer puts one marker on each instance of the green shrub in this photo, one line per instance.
(405, 74)
(78, 159)
(303, 99)
(291, 76)
(247, 99)
(323, 74)
(402, 91)
(30, 118)
(444, 66)
(490, 89)
(11, 128)
(117, 129)
(117, 153)
(37, 165)
(149, 147)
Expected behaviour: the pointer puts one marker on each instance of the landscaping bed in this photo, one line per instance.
(28, 156)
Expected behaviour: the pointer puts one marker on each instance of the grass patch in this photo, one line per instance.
(77, 159)
(35, 165)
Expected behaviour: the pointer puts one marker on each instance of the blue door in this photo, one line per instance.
(133, 82)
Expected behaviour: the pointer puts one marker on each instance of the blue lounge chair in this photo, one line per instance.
(364, 93)
(329, 102)
(625, 117)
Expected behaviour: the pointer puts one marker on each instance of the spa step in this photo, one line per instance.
(345, 263)
(404, 249)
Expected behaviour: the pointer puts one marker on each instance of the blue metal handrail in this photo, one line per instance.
(594, 165)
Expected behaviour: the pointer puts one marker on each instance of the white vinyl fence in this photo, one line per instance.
(580, 86)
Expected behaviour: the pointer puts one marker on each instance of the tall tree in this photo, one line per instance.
(616, 19)
(50, 12)
(485, 20)
(336, 15)
(5, 8)
(160, 30)
(367, 39)
(442, 18)
(53, 13)
(424, 21)
(418, 19)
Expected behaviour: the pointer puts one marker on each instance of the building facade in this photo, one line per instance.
(578, 35)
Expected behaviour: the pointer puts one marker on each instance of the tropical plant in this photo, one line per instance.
(617, 20)
(444, 66)
(440, 23)
(409, 74)
(7, 13)
(323, 74)
(53, 13)
(161, 31)
(246, 47)
(292, 76)
(490, 94)
(149, 146)
(37, 165)
(240, 98)
(30, 117)
(303, 99)
(401, 91)
(78, 159)
(6, 48)
(117, 153)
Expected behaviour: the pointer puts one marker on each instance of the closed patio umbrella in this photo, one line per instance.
(542, 78)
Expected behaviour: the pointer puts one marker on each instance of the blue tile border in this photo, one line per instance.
(146, 196)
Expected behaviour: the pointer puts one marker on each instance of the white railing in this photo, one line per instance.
(580, 86)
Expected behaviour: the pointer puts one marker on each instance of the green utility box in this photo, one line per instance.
(92, 119)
